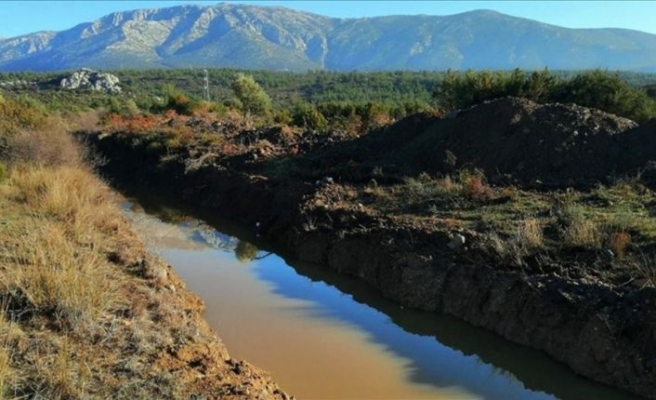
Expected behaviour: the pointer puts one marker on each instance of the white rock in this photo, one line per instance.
(457, 242)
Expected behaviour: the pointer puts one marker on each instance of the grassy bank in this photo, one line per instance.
(85, 311)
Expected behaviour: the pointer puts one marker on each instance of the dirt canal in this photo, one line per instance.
(325, 336)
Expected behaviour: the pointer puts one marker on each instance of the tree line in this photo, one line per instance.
(595, 89)
(353, 101)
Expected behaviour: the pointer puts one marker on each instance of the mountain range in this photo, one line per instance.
(277, 38)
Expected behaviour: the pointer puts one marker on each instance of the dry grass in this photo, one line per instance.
(77, 325)
(645, 267)
(57, 288)
(48, 147)
(583, 233)
(69, 194)
(529, 234)
(79, 316)
(526, 239)
(581, 230)
(7, 374)
(54, 278)
(56, 283)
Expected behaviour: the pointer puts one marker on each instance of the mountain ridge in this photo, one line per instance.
(279, 38)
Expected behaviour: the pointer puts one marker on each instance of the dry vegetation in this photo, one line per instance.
(516, 223)
(85, 312)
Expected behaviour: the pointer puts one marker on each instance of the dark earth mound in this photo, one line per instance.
(512, 139)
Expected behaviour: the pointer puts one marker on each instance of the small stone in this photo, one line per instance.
(457, 242)
(608, 255)
(156, 272)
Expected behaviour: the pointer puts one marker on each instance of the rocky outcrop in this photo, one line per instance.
(93, 80)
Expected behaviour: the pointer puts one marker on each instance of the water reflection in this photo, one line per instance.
(245, 251)
(437, 351)
(442, 350)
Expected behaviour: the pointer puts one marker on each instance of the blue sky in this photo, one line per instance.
(21, 17)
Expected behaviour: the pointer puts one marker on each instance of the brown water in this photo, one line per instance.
(324, 336)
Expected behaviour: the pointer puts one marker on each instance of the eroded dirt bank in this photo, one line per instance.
(602, 327)
(87, 312)
(181, 344)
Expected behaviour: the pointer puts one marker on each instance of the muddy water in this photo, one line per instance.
(325, 336)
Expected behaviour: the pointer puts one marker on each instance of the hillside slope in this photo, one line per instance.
(277, 38)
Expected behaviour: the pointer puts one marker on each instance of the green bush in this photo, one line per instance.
(23, 114)
(608, 92)
(250, 94)
(462, 90)
(176, 99)
(307, 116)
(595, 89)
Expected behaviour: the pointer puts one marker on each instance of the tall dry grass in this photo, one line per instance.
(529, 234)
(55, 279)
(57, 287)
(7, 374)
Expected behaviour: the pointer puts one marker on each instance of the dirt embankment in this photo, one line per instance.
(584, 310)
(512, 140)
(181, 344)
(88, 313)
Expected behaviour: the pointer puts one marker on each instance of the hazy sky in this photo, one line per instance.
(21, 17)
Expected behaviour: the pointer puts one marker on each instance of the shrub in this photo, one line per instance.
(580, 230)
(461, 90)
(15, 116)
(140, 123)
(245, 251)
(474, 186)
(307, 116)
(211, 139)
(374, 115)
(618, 242)
(282, 116)
(179, 101)
(44, 147)
(450, 159)
(251, 95)
(125, 107)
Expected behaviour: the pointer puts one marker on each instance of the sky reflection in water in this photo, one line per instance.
(436, 350)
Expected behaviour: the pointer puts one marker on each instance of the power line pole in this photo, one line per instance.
(206, 85)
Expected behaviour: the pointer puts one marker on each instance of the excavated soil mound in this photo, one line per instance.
(512, 138)
(550, 142)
